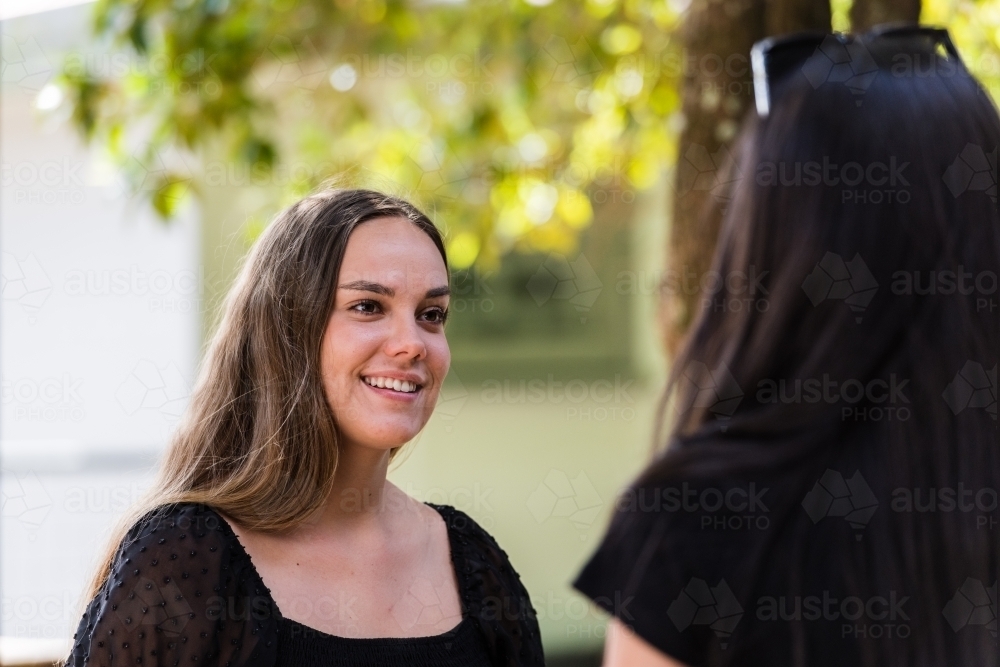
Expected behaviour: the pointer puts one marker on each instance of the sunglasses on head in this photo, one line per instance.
(847, 57)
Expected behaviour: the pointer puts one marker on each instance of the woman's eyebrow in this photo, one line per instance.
(367, 286)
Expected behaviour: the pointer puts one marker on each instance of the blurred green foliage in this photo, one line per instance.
(499, 116)
(975, 28)
(502, 117)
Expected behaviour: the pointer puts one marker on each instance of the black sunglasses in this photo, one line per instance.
(775, 58)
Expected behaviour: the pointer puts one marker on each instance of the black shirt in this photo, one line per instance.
(183, 591)
(302, 646)
(708, 573)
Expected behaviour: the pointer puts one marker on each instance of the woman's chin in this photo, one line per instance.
(387, 440)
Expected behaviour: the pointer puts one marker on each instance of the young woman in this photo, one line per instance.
(272, 536)
(828, 495)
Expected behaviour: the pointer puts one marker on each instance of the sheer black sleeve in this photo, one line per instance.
(181, 592)
(492, 593)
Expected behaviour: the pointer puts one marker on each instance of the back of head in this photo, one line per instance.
(868, 203)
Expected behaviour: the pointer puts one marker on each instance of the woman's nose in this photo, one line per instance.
(405, 338)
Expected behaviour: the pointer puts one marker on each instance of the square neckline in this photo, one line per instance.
(447, 635)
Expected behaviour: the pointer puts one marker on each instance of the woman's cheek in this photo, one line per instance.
(442, 356)
(439, 367)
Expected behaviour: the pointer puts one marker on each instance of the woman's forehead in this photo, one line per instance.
(395, 253)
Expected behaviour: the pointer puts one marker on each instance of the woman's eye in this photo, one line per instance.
(435, 315)
(367, 307)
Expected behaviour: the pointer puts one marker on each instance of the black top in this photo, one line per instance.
(302, 646)
(183, 591)
(715, 586)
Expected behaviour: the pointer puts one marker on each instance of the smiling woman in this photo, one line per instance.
(330, 357)
(391, 304)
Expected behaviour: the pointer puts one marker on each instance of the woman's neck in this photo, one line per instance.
(360, 492)
(361, 501)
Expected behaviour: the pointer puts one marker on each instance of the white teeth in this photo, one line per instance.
(390, 383)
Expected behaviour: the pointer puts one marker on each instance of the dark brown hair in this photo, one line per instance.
(930, 121)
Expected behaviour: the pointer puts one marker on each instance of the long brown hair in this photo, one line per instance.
(259, 441)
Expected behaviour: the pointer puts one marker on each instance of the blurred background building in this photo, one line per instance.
(567, 150)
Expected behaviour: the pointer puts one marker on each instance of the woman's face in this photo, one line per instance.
(384, 354)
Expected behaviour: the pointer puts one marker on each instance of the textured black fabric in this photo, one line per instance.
(302, 646)
(183, 591)
(698, 584)
(492, 593)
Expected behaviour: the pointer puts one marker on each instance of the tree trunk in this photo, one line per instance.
(866, 13)
(784, 16)
(717, 92)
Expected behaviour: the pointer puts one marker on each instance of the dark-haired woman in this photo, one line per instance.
(828, 494)
(271, 536)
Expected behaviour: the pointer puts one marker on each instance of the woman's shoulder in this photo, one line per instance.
(473, 541)
(185, 537)
(492, 591)
(462, 524)
(182, 516)
(182, 589)
(174, 525)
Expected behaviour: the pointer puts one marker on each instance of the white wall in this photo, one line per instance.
(99, 325)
